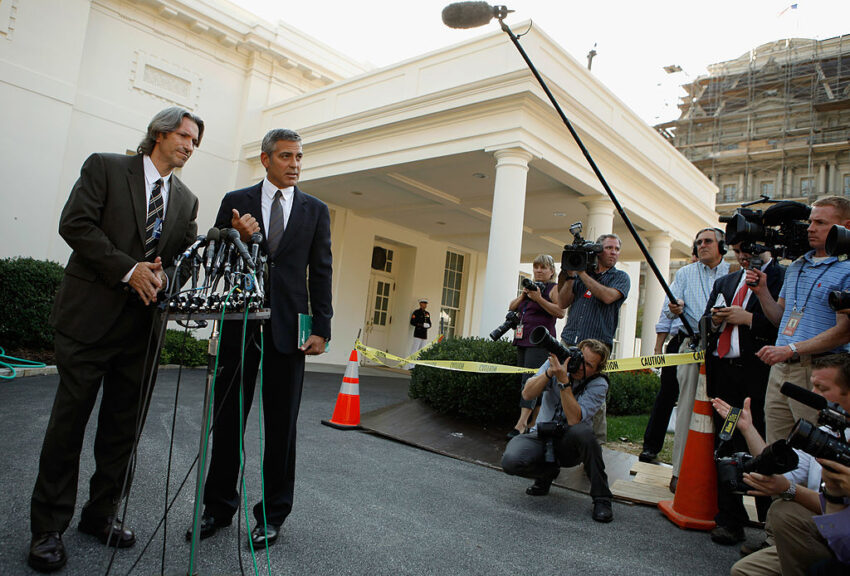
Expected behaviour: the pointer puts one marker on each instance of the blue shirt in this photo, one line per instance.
(590, 317)
(590, 399)
(807, 287)
(665, 325)
(693, 284)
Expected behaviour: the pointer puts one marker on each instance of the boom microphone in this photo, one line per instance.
(803, 396)
(472, 14)
(232, 236)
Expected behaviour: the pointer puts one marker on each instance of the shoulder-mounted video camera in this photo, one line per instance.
(812, 440)
(581, 254)
(782, 228)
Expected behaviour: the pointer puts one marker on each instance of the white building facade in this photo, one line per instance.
(443, 173)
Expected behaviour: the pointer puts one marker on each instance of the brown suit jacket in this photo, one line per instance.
(104, 223)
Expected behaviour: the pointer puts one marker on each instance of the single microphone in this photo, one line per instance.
(213, 236)
(472, 14)
(199, 241)
(803, 396)
(256, 240)
(233, 238)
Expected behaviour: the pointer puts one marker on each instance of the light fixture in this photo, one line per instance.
(479, 175)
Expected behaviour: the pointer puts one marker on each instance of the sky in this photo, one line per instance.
(634, 40)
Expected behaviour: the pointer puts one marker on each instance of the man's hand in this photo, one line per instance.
(745, 418)
(731, 314)
(766, 484)
(771, 355)
(245, 225)
(836, 477)
(557, 369)
(147, 279)
(678, 307)
(758, 278)
(313, 346)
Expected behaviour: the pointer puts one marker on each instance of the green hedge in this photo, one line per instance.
(182, 348)
(632, 392)
(27, 290)
(482, 398)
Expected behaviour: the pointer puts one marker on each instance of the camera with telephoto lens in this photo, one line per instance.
(782, 228)
(812, 440)
(511, 322)
(548, 432)
(581, 254)
(839, 300)
(533, 286)
(541, 338)
(776, 458)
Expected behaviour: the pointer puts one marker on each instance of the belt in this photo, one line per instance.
(805, 359)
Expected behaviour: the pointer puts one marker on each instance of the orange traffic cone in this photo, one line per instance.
(695, 503)
(347, 411)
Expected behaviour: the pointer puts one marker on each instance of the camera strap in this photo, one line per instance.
(729, 425)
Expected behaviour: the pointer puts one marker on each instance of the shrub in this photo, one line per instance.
(181, 347)
(482, 398)
(632, 392)
(27, 290)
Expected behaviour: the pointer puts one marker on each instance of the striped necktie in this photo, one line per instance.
(275, 231)
(153, 225)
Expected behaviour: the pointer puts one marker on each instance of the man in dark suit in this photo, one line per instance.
(126, 219)
(296, 228)
(733, 372)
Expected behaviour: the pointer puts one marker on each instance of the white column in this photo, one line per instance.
(778, 189)
(505, 247)
(789, 182)
(822, 188)
(659, 249)
(628, 312)
(831, 187)
(600, 218)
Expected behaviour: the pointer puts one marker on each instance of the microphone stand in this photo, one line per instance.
(500, 15)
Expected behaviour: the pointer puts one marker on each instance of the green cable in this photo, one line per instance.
(16, 363)
(262, 474)
(241, 437)
(203, 459)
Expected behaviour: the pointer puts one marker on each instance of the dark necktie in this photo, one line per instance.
(275, 231)
(724, 343)
(153, 226)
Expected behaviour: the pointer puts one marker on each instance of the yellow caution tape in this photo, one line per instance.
(621, 365)
(416, 354)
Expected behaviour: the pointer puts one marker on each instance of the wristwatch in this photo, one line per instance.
(790, 493)
(794, 354)
(563, 385)
(830, 497)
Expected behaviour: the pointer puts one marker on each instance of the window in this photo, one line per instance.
(730, 192)
(382, 301)
(768, 188)
(807, 187)
(452, 284)
(519, 282)
(846, 187)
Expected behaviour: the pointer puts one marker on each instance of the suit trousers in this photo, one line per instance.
(524, 456)
(283, 377)
(121, 362)
(780, 412)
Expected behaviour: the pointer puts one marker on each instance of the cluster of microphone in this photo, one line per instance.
(232, 274)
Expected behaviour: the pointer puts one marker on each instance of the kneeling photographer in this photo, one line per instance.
(573, 389)
(804, 502)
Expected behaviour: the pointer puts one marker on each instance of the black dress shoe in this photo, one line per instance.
(209, 525)
(602, 510)
(47, 553)
(647, 456)
(539, 488)
(264, 535)
(727, 535)
(109, 531)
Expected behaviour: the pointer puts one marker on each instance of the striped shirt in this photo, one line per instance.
(807, 286)
(590, 399)
(693, 284)
(590, 317)
(666, 325)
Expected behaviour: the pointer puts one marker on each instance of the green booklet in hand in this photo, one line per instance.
(305, 328)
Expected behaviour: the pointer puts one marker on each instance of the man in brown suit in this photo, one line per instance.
(126, 219)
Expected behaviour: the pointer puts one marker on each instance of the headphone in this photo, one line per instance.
(719, 236)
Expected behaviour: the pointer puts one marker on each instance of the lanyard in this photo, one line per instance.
(812, 287)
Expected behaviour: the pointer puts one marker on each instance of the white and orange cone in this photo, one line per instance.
(346, 414)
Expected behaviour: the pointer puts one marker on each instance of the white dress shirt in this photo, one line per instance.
(269, 190)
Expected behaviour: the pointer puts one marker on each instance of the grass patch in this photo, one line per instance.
(632, 428)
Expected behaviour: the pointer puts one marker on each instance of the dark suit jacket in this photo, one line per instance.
(104, 223)
(306, 244)
(762, 332)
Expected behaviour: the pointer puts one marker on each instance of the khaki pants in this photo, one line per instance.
(688, 376)
(780, 412)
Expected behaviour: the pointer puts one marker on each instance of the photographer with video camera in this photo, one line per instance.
(738, 329)
(537, 305)
(807, 325)
(692, 286)
(806, 494)
(572, 390)
(593, 290)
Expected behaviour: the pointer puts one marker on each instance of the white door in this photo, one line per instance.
(378, 311)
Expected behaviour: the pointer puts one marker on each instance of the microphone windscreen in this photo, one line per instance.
(467, 14)
(231, 234)
(803, 396)
(257, 237)
(786, 211)
(213, 234)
